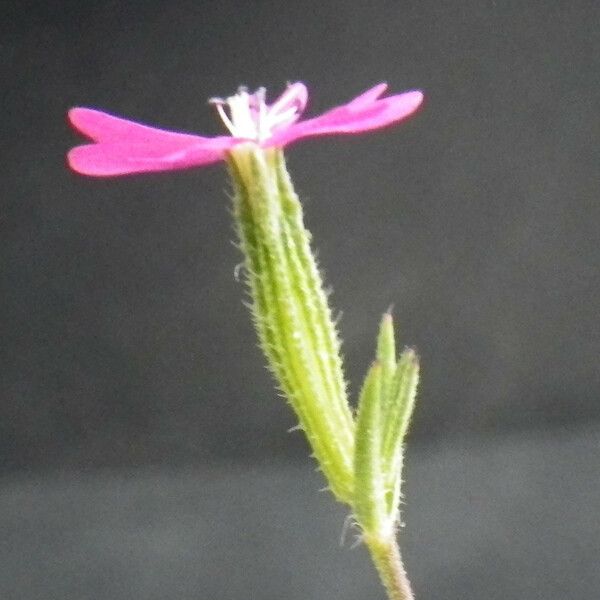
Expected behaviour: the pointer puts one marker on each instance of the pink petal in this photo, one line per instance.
(296, 95)
(369, 96)
(102, 127)
(124, 158)
(362, 114)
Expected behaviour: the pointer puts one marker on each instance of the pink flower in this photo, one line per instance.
(123, 147)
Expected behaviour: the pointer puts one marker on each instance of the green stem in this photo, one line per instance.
(388, 562)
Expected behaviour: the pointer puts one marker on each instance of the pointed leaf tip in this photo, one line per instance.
(410, 355)
(386, 344)
(386, 355)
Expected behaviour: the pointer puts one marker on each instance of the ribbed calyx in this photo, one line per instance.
(290, 309)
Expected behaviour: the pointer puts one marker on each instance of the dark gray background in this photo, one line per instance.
(127, 355)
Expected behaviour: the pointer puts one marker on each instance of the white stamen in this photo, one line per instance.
(225, 119)
(284, 117)
(248, 115)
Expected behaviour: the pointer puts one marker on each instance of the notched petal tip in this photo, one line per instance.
(370, 95)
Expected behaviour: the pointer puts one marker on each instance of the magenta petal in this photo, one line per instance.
(296, 95)
(369, 96)
(126, 147)
(103, 127)
(352, 118)
(124, 158)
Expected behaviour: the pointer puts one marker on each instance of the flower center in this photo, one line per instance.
(248, 116)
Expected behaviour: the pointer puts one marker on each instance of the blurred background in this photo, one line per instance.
(144, 453)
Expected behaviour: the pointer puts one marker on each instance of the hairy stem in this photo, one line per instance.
(388, 562)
